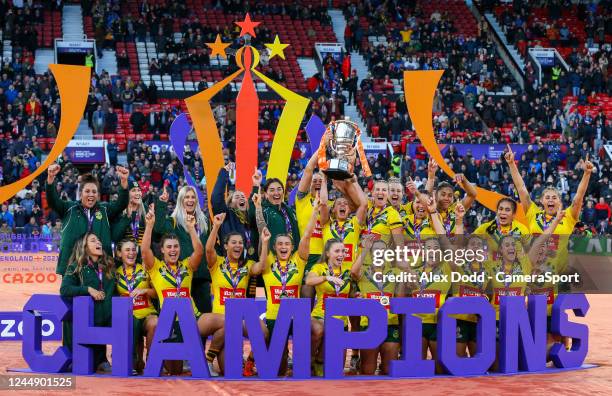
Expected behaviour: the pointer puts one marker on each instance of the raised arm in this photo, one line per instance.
(357, 267)
(542, 238)
(304, 185)
(432, 169)
(198, 249)
(518, 181)
(148, 258)
(304, 247)
(259, 266)
(259, 216)
(324, 198)
(582, 188)
(362, 209)
(217, 198)
(117, 207)
(162, 225)
(211, 253)
(58, 205)
(470, 190)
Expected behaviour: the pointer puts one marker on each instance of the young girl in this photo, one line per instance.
(90, 273)
(330, 278)
(172, 278)
(133, 281)
(371, 285)
(230, 275)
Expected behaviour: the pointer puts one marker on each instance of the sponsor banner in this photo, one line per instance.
(375, 148)
(11, 327)
(86, 151)
(28, 269)
(546, 56)
(157, 145)
(608, 148)
(597, 246)
(17, 243)
(491, 151)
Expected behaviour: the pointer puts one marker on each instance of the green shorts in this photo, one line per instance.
(393, 333)
(466, 331)
(312, 260)
(430, 331)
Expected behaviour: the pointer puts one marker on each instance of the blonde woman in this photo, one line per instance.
(187, 204)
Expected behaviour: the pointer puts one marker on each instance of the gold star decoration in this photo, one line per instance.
(218, 47)
(277, 48)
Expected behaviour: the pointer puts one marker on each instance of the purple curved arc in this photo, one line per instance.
(179, 131)
(315, 128)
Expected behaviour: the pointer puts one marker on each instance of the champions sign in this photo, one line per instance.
(522, 335)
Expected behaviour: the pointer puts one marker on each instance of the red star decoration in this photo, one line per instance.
(247, 26)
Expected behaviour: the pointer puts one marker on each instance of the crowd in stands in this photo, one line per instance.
(564, 109)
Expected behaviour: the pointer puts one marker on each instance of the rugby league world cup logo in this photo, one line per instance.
(74, 81)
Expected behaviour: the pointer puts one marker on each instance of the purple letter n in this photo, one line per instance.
(522, 337)
(268, 360)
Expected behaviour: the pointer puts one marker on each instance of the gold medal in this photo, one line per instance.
(251, 251)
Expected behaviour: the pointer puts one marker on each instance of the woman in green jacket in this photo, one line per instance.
(87, 215)
(187, 203)
(90, 273)
(280, 217)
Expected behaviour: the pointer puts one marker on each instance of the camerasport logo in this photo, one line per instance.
(21, 269)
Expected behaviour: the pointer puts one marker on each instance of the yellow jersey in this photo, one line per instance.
(506, 287)
(129, 279)
(326, 289)
(228, 281)
(495, 232)
(282, 280)
(474, 286)
(172, 282)
(433, 283)
(381, 221)
(449, 220)
(380, 291)
(549, 289)
(303, 212)
(539, 221)
(348, 231)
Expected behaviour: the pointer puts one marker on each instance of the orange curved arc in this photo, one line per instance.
(420, 88)
(73, 85)
(207, 133)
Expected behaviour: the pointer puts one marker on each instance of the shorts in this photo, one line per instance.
(393, 333)
(312, 260)
(430, 331)
(466, 331)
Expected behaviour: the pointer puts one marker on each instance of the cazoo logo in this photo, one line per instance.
(11, 327)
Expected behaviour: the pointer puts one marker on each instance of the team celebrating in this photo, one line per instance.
(321, 246)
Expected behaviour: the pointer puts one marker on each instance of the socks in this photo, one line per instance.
(211, 354)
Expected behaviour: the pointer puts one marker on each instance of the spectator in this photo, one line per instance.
(111, 121)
